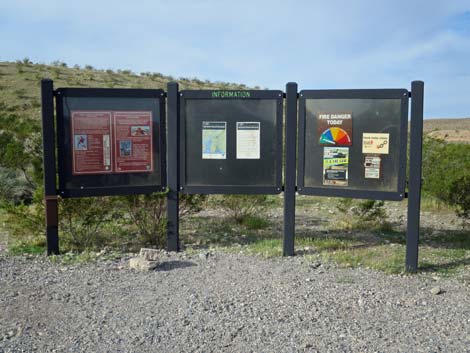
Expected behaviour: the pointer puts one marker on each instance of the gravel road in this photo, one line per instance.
(226, 303)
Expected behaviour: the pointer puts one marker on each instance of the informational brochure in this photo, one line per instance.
(91, 148)
(133, 142)
(335, 166)
(377, 143)
(214, 140)
(248, 140)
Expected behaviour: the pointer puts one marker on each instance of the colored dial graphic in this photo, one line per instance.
(335, 136)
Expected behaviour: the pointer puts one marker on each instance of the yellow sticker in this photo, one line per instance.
(375, 143)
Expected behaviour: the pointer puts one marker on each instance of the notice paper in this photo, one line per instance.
(248, 140)
(372, 167)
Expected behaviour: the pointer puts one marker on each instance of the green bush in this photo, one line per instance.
(459, 194)
(446, 174)
(13, 188)
(241, 207)
(147, 214)
(84, 223)
(362, 214)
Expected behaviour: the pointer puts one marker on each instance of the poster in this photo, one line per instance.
(248, 140)
(91, 142)
(376, 143)
(372, 167)
(133, 149)
(335, 166)
(214, 140)
(334, 129)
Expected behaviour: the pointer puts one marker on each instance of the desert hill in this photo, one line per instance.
(20, 91)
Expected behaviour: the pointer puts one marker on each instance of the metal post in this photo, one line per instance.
(50, 189)
(290, 171)
(414, 185)
(173, 243)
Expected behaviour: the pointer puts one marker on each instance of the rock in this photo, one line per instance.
(436, 290)
(203, 255)
(150, 254)
(138, 263)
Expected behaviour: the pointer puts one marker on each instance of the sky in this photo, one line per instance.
(328, 44)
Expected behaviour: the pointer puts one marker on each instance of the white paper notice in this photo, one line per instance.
(248, 140)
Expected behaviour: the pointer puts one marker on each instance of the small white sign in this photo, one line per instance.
(375, 143)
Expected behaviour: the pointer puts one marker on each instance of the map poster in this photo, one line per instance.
(372, 167)
(375, 143)
(214, 140)
(133, 144)
(335, 166)
(91, 142)
(334, 129)
(248, 140)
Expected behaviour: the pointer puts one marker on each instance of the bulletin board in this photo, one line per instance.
(110, 141)
(352, 143)
(231, 142)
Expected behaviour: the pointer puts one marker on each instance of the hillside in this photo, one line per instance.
(451, 130)
(20, 87)
(20, 91)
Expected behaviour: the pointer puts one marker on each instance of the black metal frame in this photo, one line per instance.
(157, 94)
(49, 164)
(290, 169)
(230, 189)
(173, 242)
(402, 94)
(414, 185)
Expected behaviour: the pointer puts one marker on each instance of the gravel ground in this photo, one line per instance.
(226, 303)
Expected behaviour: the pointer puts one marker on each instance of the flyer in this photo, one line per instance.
(91, 142)
(335, 166)
(334, 129)
(372, 167)
(248, 140)
(214, 140)
(133, 142)
(375, 143)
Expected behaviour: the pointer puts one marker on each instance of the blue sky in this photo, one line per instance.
(319, 44)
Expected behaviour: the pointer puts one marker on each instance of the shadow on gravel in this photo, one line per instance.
(173, 265)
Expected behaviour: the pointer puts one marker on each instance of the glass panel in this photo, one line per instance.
(110, 142)
(231, 142)
(334, 155)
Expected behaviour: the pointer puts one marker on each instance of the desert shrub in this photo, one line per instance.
(147, 214)
(459, 195)
(191, 203)
(84, 222)
(362, 214)
(13, 188)
(446, 174)
(25, 223)
(241, 207)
